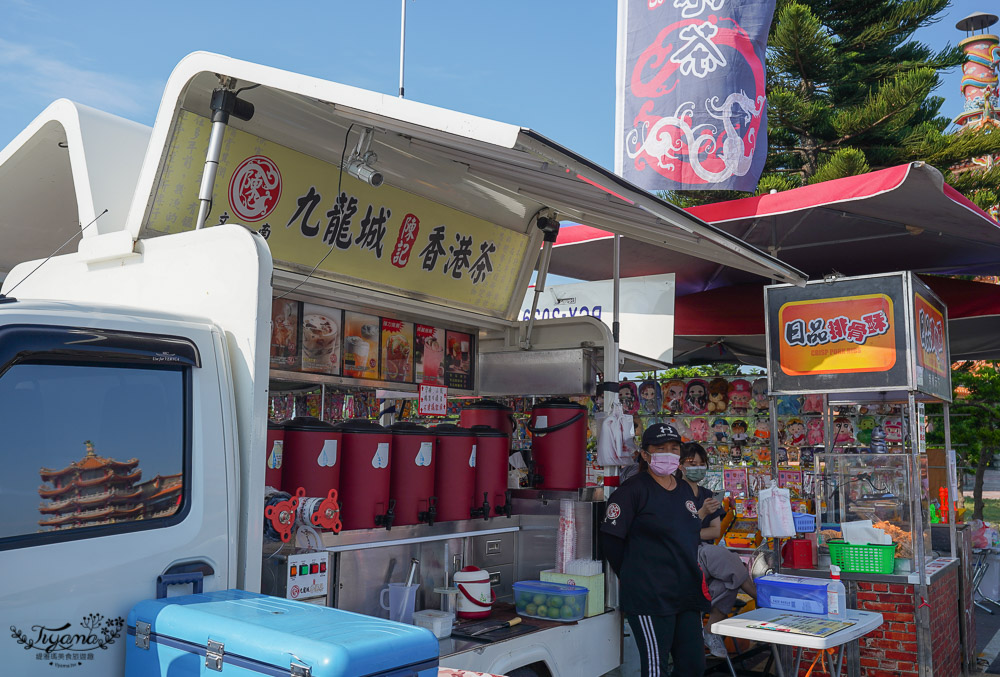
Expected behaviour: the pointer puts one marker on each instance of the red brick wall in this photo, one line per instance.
(891, 650)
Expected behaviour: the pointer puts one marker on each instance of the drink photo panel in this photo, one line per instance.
(458, 360)
(429, 355)
(284, 334)
(361, 345)
(321, 331)
(397, 351)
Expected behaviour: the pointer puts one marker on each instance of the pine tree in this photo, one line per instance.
(849, 91)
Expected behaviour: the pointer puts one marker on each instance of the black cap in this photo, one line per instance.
(658, 433)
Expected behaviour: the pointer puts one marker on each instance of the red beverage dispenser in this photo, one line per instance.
(411, 482)
(492, 451)
(312, 457)
(454, 471)
(489, 413)
(559, 444)
(275, 454)
(364, 478)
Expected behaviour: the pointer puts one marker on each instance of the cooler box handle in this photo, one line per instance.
(164, 581)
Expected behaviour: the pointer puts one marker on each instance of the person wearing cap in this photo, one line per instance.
(650, 536)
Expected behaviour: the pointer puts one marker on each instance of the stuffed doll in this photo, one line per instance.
(814, 432)
(699, 429)
(759, 393)
(629, 397)
(865, 426)
(795, 432)
(649, 397)
(673, 398)
(720, 430)
(740, 396)
(696, 397)
(718, 396)
(843, 432)
(789, 405)
(739, 432)
(762, 429)
(812, 404)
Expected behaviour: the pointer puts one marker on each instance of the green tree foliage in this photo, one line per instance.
(703, 371)
(850, 91)
(975, 421)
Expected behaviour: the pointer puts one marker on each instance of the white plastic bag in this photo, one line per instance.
(616, 440)
(774, 513)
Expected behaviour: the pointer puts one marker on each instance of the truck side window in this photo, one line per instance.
(90, 449)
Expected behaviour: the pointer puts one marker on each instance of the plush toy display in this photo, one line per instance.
(629, 397)
(673, 398)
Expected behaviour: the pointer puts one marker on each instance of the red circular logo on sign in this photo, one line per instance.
(614, 511)
(255, 188)
(294, 592)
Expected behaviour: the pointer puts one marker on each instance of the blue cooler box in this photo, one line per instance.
(792, 593)
(234, 632)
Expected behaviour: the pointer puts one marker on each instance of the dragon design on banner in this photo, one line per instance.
(682, 58)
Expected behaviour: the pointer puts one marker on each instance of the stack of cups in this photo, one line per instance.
(566, 535)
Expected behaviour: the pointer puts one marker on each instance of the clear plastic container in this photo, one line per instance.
(551, 601)
(438, 622)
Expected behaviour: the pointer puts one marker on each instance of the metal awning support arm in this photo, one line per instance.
(225, 104)
(545, 221)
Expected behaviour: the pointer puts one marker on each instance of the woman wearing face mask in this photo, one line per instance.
(694, 466)
(650, 536)
(725, 572)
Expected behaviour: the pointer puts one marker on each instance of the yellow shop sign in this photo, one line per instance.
(382, 238)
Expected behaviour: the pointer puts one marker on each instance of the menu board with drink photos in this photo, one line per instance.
(318, 339)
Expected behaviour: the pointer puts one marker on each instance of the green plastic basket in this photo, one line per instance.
(867, 559)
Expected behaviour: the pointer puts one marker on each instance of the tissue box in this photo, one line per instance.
(792, 593)
(594, 585)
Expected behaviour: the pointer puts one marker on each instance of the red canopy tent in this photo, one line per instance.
(900, 218)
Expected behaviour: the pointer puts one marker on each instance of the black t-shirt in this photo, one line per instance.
(704, 493)
(659, 573)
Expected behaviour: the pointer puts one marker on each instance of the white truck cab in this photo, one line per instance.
(135, 372)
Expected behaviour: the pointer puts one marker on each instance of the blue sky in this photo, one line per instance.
(542, 64)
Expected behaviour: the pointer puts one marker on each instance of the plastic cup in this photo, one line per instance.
(402, 600)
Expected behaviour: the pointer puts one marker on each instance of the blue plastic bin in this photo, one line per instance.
(246, 634)
(804, 522)
(792, 593)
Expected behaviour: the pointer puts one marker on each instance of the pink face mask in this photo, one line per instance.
(664, 464)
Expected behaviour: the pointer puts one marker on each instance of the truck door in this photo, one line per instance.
(114, 471)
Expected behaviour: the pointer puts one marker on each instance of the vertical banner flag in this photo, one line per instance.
(691, 110)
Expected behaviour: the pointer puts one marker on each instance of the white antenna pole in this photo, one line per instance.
(402, 46)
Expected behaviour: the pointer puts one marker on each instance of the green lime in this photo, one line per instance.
(539, 599)
(531, 609)
(554, 612)
(555, 601)
(569, 612)
(542, 611)
(525, 597)
(521, 607)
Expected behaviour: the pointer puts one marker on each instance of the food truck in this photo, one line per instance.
(287, 235)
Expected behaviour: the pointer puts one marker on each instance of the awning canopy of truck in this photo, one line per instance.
(500, 174)
(69, 165)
